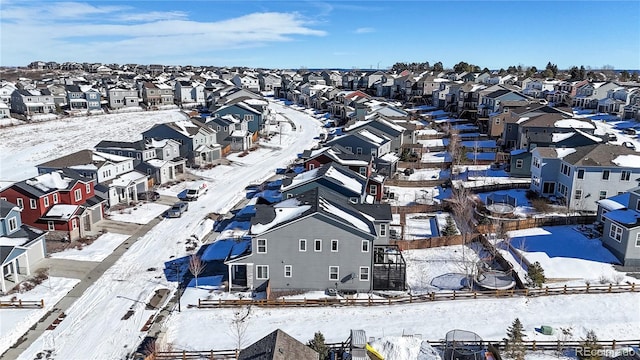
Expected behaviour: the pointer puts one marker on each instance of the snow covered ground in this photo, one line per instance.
(425, 174)
(132, 280)
(424, 265)
(27, 145)
(565, 253)
(523, 205)
(419, 226)
(489, 318)
(414, 195)
(142, 213)
(15, 322)
(98, 250)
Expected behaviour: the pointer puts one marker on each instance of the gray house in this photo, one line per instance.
(252, 111)
(363, 141)
(621, 230)
(348, 184)
(121, 97)
(318, 241)
(578, 177)
(21, 246)
(197, 141)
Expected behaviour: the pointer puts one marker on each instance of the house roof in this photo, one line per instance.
(6, 207)
(333, 172)
(21, 237)
(188, 128)
(601, 155)
(278, 345)
(625, 217)
(49, 182)
(133, 145)
(317, 200)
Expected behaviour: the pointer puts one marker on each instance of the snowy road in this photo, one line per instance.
(93, 324)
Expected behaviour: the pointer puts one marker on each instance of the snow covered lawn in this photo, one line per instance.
(436, 157)
(101, 247)
(423, 265)
(404, 196)
(419, 226)
(565, 253)
(426, 174)
(489, 318)
(15, 322)
(139, 214)
(523, 205)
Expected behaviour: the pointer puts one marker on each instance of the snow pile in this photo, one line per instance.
(102, 247)
(632, 161)
(48, 181)
(349, 182)
(404, 348)
(573, 124)
(564, 152)
(203, 229)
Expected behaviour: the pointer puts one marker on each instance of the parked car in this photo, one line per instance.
(178, 209)
(194, 192)
(630, 131)
(149, 195)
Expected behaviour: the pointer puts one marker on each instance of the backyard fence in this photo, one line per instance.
(422, 298)
(434, 242)
(39, 304)
(415, 183)
(533, 345)
(528, 223)
(482, 187)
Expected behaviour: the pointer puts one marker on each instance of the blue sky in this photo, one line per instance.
(322, 34)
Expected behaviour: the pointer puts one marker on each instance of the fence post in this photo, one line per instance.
(432, 296)
(20, 302)
(609, 287)
(42, 303)
(475, 295)
(454, 294)
(533, 345)
(410, 298)
(546, 290)
(633, 287)
(613, 344)
(588, 285)
(211, 355)
(184, 355)
(564, 289)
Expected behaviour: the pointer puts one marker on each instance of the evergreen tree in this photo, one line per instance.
(317, 344)
(624, 75)
(437, 67)
(535, 274)
(450, 227)
(589, 347)
(515, 348)
(634, 76)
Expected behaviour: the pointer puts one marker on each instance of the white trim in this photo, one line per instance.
(315, 243)
(258, 246)
(264, 267)
(14, 221)
(290, 267)
(368, 273)
(365, 243)
(88, 188)
(334, 241)
(383, 230)
(77, 194)
(20, 203)
(33, 203)
(638, 240)
(46, 201)
(615, 230)
(337, 274)
(51, 226)
(300, 242)
(55, 198)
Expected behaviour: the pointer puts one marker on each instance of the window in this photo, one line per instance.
(497, 121)
(625, 175)
(580, 173)
(548, 187)
(519, 163)
(638, 240)
(78, 194)
(288, 271)
(603, 195)
(365, 245)
(615, 232)
(383, 229)
(262, 272)
(364, 273)
(74, 224)
(334, 245)
(55, 198)
(349, 148)
(605, 174)
(565, 169)
(334, 272)
(20, 203)
(51, 226)
(87, 188)
(577, 195)
(638, 205)
(536, 162)
(317, 245)
(13, 224)
(373, 189)
(363, 170)
(359, 150)
(262, 246)
(46, 201)
(311, 166)
(302, 245)
(33, 203)
(248, 117)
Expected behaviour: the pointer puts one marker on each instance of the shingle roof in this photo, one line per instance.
(278, 345)
(5, 208)
(598, 155)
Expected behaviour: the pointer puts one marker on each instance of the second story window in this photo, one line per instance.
(20, 203)
(365, 245)
(334, 245)
(77, 194)
(46, 201)
(262, 246)
(605, 174)
(580, 174)
(33, 203)
(383, 229)
(625, 175)
(317, 245)
(88, 188)
(55, 198)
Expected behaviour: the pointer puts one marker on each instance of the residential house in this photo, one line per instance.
(617, 99)
(514, 117)
(117, 180)
(21, 246)
(231, 132)
(30, 102)
(246, 81)
(4, 111)
(253, 112)
(578, 177)
(496, 121)
(82, 98)
(588, 95)
(317, 241)
(555, 129)
(62, 202)
(632, 111)
(363, 141)
(197, 141)
(278, 345)
(539, 88)
(122, 97)
(621, 226)
(490, 103)
(381, 127)
(159, 159)
(6, 90)
(268, 82)
(155, 95)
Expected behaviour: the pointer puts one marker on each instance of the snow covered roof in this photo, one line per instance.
(50, 181)
(631, 161)
(610, 204)
(375, 138)
(62, 211)
(349, 182)
(626, 217)
(284, 211)
(557, 137)
(128, 178)
(574, 124)
(564, 152)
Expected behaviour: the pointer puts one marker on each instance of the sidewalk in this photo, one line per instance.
(86, 281)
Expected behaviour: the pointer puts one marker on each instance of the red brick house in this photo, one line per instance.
(62, 202)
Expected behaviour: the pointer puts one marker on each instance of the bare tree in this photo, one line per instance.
(455, 150)
(196, 266)
(462, 207)
(239, 325)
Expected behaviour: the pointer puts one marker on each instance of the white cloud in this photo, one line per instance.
(364, 30)
(83, 32)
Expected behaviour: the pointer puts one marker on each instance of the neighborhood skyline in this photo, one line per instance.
(329, 34)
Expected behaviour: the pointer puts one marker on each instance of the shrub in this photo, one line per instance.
(541, 205)
(535, 274)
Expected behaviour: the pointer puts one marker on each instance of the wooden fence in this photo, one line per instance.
(415, 183)
(532, 345)
(424, 165)
(429, 297)
(497, 187)
(528, 223)
(39, 304)
(428, 243)
(417, 208)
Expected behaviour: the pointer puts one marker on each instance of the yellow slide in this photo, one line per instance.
(374, 353)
